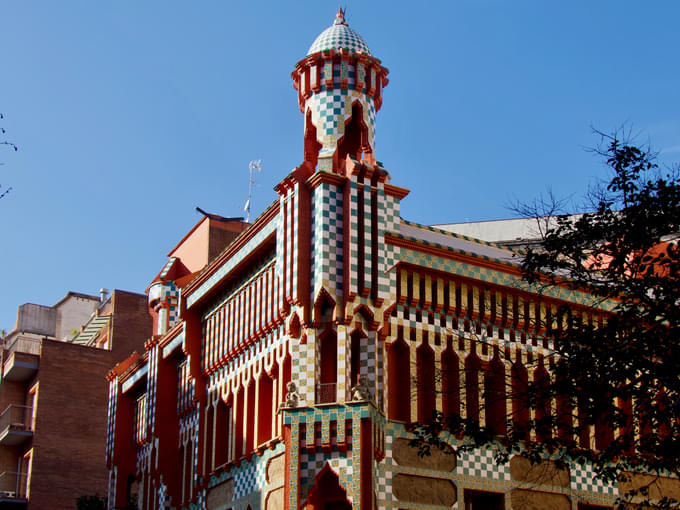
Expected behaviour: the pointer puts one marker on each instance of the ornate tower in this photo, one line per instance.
(339, 86)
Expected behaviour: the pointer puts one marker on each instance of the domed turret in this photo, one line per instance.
(339, 86)
(339, 36)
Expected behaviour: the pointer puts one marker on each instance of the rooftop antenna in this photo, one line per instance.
(253, 165)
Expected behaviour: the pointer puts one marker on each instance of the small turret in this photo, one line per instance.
(339, 86)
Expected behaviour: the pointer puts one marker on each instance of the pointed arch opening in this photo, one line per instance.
(328, 367)
(450, 381)
(264, 408)
(519, 377)
(425, 375)
(399, 380)
(355, 354)
(327, 492)
(494, 395)
(251, 427)
(472, 367)
(543, 421)
(312, 146)
(355, 140)
(324, 309)
(239, 428)
(222, 420)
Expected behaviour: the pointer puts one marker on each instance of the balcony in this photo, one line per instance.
(16, 425)
(325, 393)
(13, 489)
(22, 358)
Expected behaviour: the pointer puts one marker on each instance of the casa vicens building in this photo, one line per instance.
(290, 353)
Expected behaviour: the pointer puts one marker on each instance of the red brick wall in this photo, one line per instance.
(70, 435)
(131, 326)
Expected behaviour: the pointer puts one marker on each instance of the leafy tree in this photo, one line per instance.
(9, 144)
(95, 502)
(619, 377)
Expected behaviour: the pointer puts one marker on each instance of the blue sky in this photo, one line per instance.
(130, 114)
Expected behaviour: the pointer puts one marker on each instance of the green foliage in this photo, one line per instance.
(95, 502)
(619, 375)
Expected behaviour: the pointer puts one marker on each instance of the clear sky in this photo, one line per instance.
(130, 114)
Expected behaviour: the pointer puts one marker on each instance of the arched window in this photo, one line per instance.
(543, 421)
(355, 356)
(328, 367)
(264, 416)
(355, 140)
(494, 396)
(426, 382)
(520, 407)
(472, 367)
(222, 419)
(450, 382)
(399, 381)
(239, 424)
(210, 437)
(312, 146)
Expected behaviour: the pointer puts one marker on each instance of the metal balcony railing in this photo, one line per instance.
(325, 393)
(17, 417)
(13, 485)
(25, 345)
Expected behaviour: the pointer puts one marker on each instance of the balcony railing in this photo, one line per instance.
(325, 393)
(17, 418)
(12, 485)
(25, 345)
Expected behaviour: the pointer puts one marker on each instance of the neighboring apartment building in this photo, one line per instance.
(284, 373)
(53, 395)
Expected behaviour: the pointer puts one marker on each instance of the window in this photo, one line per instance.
(185, 387)
(140, 418)
(482, 500)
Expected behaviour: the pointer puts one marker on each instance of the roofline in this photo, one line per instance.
(268, 215)
(204, 218)
(71, 294)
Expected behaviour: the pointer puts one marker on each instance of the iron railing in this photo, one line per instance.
(325, 393)
(17, 417)
(13, 485)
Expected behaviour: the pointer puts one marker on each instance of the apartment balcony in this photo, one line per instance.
(325, 393)
(22, 358)
(13, 490)
(16, 425)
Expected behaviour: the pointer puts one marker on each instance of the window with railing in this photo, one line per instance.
(185, 387)
(17, 417)
(140, 418)
(13, 485)
(327, 376)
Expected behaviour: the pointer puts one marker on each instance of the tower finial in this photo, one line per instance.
(340, 17)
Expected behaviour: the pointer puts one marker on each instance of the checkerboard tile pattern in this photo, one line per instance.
(583, 479)
(339, 36)
(327, 240)
(312, 463)
(481, 464)
(485, 274)
(331, 109)
(478, 470)
(249, 478)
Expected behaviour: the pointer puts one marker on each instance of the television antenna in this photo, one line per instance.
(253, 165)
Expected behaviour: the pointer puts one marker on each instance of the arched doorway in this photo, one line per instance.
(327, 493)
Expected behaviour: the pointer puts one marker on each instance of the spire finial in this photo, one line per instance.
(340, 17)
